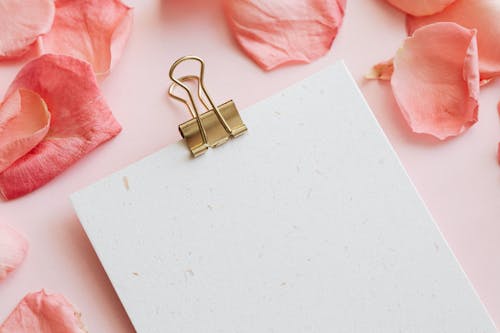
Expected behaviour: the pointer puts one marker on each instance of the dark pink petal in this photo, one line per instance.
(13, 249)
(91, 30)
(421, 7)
(81, 121)
(482, 15)
(436, 79)
(41, 312)
(276, 32)
(21, 23)
(24, 122)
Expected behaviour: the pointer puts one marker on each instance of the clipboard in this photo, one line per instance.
(308, 223)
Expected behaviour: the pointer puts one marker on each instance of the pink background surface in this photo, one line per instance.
(459, 179)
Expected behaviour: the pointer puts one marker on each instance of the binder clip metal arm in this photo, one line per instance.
(211, 128)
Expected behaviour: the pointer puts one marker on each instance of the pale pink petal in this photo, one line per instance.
(436, 79)
(276, 32)
(41, 312)
(80, 121)
(21, 23)
(482, 15)
(421, 7)
(13, 249)
(92, 30)
(381, 71)
(24, 122)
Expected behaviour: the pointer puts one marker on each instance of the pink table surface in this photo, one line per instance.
(459, 179)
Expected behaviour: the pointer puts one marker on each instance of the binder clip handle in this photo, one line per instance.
(193, 110)
(201, 87)
(182, 100)
(211, 128)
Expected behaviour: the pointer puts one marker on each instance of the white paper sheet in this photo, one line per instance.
(308, 223)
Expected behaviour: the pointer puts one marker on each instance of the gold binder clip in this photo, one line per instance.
(211, 128)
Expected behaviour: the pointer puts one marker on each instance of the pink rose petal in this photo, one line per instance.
(21, 23)
(43, 313)
(275, 32)
(80, 121)
(436, 79)
(24, 122)
(13, 249)
(421, 7)
(91, 30)
(482, 15)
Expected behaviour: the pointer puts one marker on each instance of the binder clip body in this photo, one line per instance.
(216, 125)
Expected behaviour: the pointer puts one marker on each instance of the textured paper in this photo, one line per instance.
(308, 223)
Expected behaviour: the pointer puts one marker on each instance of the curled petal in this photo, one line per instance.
(24, 122)
(13, 249)
(438, 91)
(91, 30)
(482, 15)
(421, 7)
(275, 32)
(41, 312)
(21, 23)
(80, 121)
